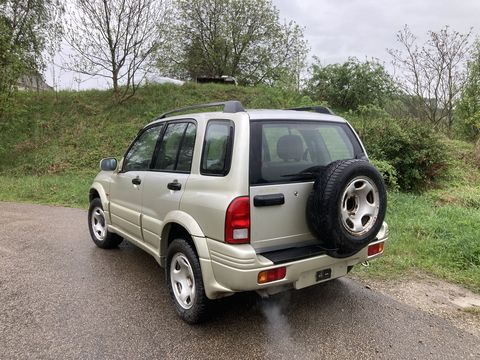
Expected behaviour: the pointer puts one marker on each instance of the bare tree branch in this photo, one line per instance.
(432, 75)
(115, 39)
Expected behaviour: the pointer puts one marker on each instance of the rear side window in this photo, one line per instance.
(217, 148)
(176, 147)
(296, 150)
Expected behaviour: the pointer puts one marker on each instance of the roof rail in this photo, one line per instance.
(231, 106)
(317, 108)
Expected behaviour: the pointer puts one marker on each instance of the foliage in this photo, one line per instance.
(240, 38)
(27, 29)
(388, 172)
(115, 39)
(351, 84)
(469, 104)
(416, 152)
(432, 74)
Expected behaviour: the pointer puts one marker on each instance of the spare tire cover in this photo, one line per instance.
(347, 206)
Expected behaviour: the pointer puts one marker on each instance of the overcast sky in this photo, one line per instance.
(337, 29)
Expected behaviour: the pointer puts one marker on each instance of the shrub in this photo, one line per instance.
(388, 172)
(417, 153)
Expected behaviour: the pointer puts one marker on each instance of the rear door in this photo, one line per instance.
(285, 157)
(165, 183)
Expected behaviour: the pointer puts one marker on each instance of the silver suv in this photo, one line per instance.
(240, 200)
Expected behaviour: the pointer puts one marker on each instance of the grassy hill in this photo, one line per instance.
(51, 146)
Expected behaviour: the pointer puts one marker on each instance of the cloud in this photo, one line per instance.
(337, 29)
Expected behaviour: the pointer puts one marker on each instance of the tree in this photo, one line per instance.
(469, 103)
(115, 39)
(432, 74)
(351, 84)
(240, 38)
(29, 31)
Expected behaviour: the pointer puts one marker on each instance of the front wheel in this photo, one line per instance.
(97, 225)
(185, 283)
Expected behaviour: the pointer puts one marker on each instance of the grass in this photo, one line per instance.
(438, 231)
(66, 190)
(473, 310)
(51, 145)
(442, 240)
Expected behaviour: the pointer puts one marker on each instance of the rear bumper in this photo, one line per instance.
(234, 268)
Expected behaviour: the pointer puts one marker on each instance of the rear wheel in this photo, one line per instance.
(97, 225)
(185, 283)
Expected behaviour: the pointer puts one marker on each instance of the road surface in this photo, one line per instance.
(63, 298)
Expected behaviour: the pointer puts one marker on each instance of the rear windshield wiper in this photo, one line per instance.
(308, 173)
(303, 175)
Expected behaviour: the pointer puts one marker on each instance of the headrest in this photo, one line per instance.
(290, 147)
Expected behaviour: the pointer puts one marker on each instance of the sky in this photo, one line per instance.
(338, 29)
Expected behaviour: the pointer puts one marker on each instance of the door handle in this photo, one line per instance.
(136, 181)
(175, 185)
(268, 200)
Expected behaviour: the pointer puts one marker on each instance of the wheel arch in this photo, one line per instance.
(181, 225)
(97, 191)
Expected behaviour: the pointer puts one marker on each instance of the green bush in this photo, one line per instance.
(388, 172)
(417, 153)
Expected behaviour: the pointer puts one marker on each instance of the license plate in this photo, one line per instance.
(324, 274)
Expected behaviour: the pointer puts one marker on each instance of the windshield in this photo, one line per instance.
(294, 150)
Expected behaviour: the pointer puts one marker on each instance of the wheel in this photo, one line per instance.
(347, 206)
(185, 283)
(97, 225)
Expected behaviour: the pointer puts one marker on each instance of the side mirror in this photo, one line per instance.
(108, 164)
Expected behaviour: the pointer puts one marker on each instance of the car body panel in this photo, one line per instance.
(282, 225)
(126, 202)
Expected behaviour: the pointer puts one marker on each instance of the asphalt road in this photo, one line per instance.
(61, 298)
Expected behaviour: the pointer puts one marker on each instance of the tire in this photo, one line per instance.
(347, 206)
(97, 226)
(185, 283)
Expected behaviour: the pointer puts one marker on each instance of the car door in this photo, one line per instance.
(165, 184)
(281, 178)
(127, 184)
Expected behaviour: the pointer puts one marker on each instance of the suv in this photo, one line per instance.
(238, 200)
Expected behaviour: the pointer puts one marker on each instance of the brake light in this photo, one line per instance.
(376, 249)
(237, 221)
(272, 275)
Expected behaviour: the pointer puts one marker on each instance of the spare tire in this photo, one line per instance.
(347, 206)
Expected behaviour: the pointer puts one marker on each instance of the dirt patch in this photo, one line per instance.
(434, 296)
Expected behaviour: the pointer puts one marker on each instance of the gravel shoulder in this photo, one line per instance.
(434, 296)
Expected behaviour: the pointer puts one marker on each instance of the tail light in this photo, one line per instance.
(272, 275)
(376, 248)
(237, 221)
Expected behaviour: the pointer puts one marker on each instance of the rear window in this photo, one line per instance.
(297, 150)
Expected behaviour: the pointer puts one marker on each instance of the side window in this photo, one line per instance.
(217, 148)
(337, 143)
(185, 154)
(140, 154)
(176, 148)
